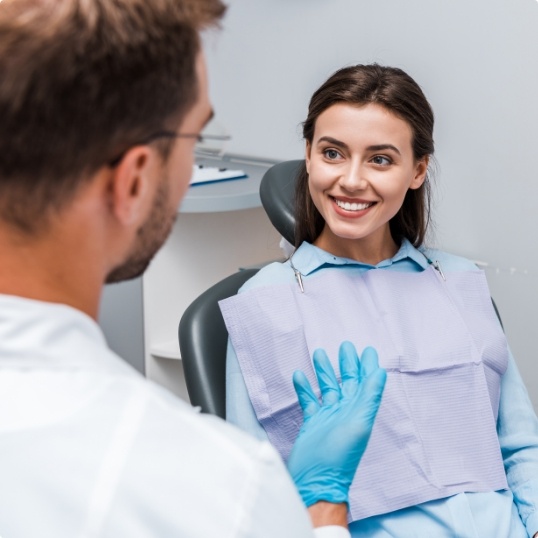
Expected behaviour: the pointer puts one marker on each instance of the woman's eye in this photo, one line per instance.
(331, 154)
(381, 160)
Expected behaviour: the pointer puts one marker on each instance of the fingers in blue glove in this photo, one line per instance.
(373, 385)
(307, 399)
(350, 369)
(362, 379)
(369, 361)
(328, 384)
(333, 438)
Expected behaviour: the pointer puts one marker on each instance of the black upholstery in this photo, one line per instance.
(277, 193)
(202, 342)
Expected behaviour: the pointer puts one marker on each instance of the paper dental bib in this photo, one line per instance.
(444, 352)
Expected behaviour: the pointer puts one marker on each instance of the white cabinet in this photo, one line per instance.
(220, 228)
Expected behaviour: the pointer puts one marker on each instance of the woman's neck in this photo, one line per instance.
(370, 250)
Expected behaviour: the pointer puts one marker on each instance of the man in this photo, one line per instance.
(101, 103)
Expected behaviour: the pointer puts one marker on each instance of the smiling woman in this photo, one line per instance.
(456, 433)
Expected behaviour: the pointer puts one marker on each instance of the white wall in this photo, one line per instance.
(477, 62)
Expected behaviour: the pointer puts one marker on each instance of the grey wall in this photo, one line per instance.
(121, 319)
(477, 62)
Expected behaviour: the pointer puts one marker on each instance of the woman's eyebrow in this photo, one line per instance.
(333, 141)
(382, 147)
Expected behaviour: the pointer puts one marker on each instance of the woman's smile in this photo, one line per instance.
(351, 208)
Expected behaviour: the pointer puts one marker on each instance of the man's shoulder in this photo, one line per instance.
(137, 446)
(180, 422)
(198, 455)
(212, 477)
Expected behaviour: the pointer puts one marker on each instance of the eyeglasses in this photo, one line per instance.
(200, 138)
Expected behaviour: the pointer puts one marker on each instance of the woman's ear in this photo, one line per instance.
(130, 185)
(421, 169)
(308, 149)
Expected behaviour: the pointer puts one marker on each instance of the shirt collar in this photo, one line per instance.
(309, 258)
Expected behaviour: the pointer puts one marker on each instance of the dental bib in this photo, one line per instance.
(444, 351)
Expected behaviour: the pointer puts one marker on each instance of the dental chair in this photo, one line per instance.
(277, 193)
(202, 342)
(202, 334)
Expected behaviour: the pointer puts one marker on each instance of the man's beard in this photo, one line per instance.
(150, 237)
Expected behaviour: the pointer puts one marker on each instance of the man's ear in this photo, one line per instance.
(131, 183)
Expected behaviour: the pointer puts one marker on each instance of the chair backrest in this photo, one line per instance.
(202, 343)
(277, 193)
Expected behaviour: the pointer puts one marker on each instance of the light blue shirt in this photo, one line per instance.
(501, 514)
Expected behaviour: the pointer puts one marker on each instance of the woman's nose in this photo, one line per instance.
(353, 179)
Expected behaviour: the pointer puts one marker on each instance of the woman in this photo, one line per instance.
(454, 451)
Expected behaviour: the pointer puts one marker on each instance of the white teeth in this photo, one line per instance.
(348, 206)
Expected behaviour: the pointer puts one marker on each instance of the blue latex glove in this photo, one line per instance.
(335, 432)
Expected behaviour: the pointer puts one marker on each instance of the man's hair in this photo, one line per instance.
(81, 81)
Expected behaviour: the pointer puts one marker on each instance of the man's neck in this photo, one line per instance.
(49, 269)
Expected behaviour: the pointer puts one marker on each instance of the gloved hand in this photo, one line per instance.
(335, 432)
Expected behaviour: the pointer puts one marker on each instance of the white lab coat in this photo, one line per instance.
(88, 448)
